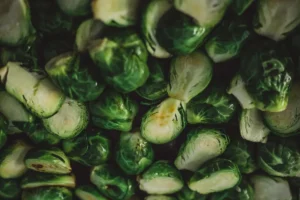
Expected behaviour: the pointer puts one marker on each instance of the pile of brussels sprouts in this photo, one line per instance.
(150, 99)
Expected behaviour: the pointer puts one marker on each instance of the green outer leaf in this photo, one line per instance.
(90, 148)
(242, 153)
(34, 179)
(88, 192)
(133, 153)
(122, 58)
(75, 8)
(113, 111)
(280, 158)
(43, 137)
(240, 6)
(47, 193)
(267, 70)
(213, 106)
(159, 197)
(48, 161)
(10, 188)
(179, 34)
(187, 194)
(111, 182)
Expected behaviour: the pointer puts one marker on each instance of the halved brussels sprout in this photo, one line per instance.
(88, 192)
(252, 127)
(133, 153)
(238, 89)
(122, 59)
(151, 16)
(69, 121)
(47, 193)
(52, 161)
(201, 145)
(88, 31)
(12, 160)
(215, 176)
(159, 197)
(10, 188)
(243, 191)
(112, 183)
(268, 187)
(161, 178)
(34, 179)
(287, 122)
(120, 13)
(73, 77)
(242, 153)
(75, 8)
(271, 22)
(213, 106)
(164, 122)
(178, 33)
(15, 22)
(90, 148)
(187, 194)
(240, 6)
(207, 13)
(267, 70)
(38, 94)
(189, 75)
(280, 158)
(155, 87)
(113, 111)
(227, 40)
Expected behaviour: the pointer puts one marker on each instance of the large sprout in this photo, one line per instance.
(189, 75)
(113, 111)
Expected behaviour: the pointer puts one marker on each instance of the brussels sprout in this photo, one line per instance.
(155, 87)
(14, 111)
(42, 137)
(133, 153)
(47, 193)
(88, 192)
(38, 94)
(267, 71)
(48, 19)
(74, 79)
(90, 148)
(15, 23)
(270, 22)
(69, 121)
(112, 183)
(161, 178)
(122, 59)
(268, 187)
(201, 145)
(280, 158)
(178, 33)
(287, 122)
(34, 179)
(243, 191)
(187, 194)
(48, 160)
(215, 176)
(9, 188)
(88, 31)
(159, 197)
(206, 13)
(238, 89)
(113, 111)
(227, 40)
(213, 106)
(189, 75)
(240, 6)
(75, 8)
(120, 13)
(12, 160)
(164, 122)
(252, 127)
(151, 16)
(242, 153)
